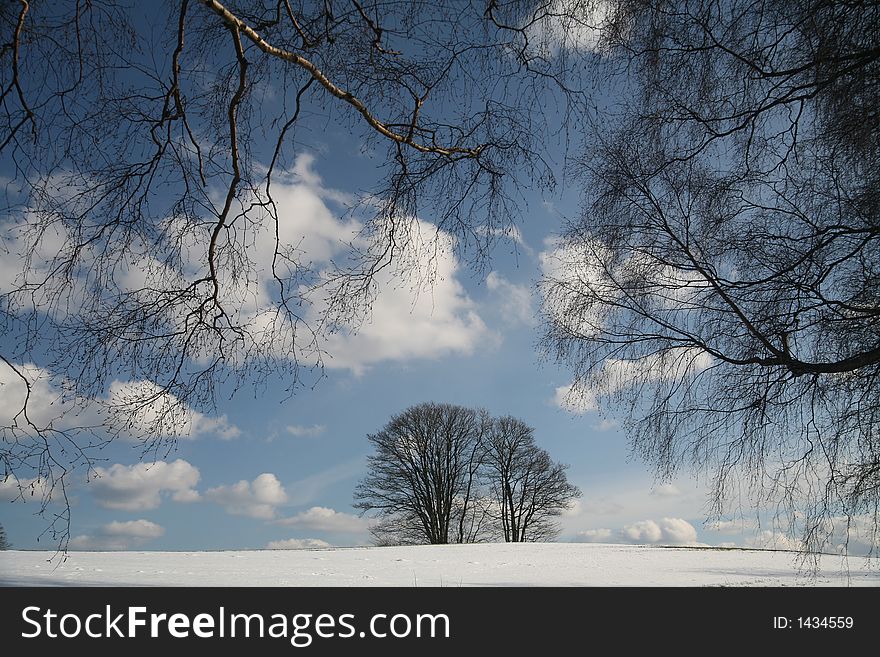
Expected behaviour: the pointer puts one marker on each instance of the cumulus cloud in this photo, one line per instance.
(306, 432)
(323, 519)
(17, 246)
(118, 536)
(618, 374)
(852, 536)
(298, 544)
(668, 531)
(23, 490)
(256, 499)
(421, 310)
(133, 528)
(48, 401)
(567, 268)
(158, 412)
(575, 400)
(644, 531)
(143, 485)
(574, 509)
(418, 308)
(146, 407)
(514, 301)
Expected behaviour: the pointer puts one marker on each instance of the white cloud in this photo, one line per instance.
(18, 246)
(575, 400)
(134, 529)
(323, 519)
(256, 499)
(306, 432)
(668, 531)
(616, 374)
(298, 544)
(578, 294)
(118, 536)
(420, 311)
(618, 500)
(856, 535)
(594, 536)
(853, 536)
(514, 301)
(12, 489)
(606, 425)
(146, 408)
(143, 485)
(569, 268)
(567, 25)
(644, 531)
(158, 412)
(48, 401)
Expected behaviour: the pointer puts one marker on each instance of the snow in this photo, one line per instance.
(504, 564)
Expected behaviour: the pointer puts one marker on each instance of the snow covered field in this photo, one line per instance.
(554, 564)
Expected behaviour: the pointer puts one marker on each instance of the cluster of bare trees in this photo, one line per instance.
(442, 473)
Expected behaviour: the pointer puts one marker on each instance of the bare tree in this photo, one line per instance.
(528, 489)
(723, 277)
(4, 543)
(448, 474)
(141, 150)
(422, 479)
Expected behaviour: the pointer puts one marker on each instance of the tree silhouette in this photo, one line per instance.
(528, 489)
(141, 153)
(722, 280)
(448, 474)
(422, 477)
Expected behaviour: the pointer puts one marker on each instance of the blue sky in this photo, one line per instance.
(265, 468)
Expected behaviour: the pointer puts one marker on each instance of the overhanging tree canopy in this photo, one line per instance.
(142, 149)
(724, 277)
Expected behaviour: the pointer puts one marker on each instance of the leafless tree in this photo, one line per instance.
(724, 277)
(423, 476)
(449, 474)
(141, 149)
(4, 543)
(528, 489)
